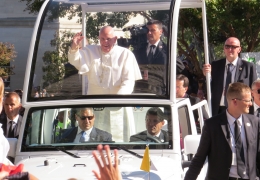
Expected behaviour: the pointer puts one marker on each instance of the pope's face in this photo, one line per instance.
(107, 39)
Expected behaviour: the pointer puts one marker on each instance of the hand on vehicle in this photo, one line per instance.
(108, 170)
(206, 69)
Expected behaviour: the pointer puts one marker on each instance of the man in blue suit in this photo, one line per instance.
(85, 132)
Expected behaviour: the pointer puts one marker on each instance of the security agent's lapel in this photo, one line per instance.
(248, 130)
(93, 136)
(224, 127)
(158, 49)
(239, 69)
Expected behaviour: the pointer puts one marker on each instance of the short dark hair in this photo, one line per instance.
(156, 112)
(183, 78)
(157, 22)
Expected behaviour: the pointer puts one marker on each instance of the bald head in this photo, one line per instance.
(107, 38)
(232, 48)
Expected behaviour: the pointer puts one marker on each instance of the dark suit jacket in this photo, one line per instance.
(142, 136)
(96, 135)
(245, 73)
(216, 145)
(16, 128)
(160, 55)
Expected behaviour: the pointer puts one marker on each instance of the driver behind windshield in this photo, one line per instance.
(154, 122)
(85, 132)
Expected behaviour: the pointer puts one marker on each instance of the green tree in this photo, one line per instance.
(54, 61)
(7, 54)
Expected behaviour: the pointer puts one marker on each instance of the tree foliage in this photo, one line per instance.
(55, 61)
(7, 54)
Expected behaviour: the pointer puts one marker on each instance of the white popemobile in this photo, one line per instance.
(40, 147)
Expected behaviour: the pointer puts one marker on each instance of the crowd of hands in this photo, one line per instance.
(108, 168)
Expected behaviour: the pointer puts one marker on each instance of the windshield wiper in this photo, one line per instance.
(130, 152)
(54, 147)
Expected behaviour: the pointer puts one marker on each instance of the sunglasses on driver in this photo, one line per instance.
(86, 117)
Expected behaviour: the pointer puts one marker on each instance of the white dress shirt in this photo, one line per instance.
(233, 72)
(79, 134)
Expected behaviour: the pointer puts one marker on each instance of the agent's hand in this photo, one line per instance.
(206, 69)
(107, 170)
(76, 41)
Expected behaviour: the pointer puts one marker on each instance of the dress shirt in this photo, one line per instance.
(231, 120)
(79, 134)
(148, 47)
(156, 136)
(15, 120)
(233, 71)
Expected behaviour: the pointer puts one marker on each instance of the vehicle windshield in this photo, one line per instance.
(84, 127)
(53, 77)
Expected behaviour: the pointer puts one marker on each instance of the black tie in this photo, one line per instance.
(241, 168)
(228, 80)
(150, 54)
(10, 132)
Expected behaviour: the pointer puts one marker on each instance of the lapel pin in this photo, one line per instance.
(240, 69)
(248, 124)
(160, 47)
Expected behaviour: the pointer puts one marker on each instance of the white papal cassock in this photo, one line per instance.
(114, 72)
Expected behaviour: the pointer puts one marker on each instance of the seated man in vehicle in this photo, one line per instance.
(85, 132)
(154, 120)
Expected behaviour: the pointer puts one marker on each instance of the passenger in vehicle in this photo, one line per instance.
(110, 69)
(228, 70)
(154, 121)
(12, 122)
(182, 85)
(85, 132)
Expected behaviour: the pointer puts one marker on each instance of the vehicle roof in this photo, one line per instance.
(94, 6)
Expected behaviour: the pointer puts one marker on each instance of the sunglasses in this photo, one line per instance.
(230, 46)
(86, 117)
(258, 91)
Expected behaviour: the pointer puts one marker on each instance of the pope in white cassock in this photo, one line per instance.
(110, 69)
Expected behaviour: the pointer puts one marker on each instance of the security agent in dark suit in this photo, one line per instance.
(85, 132)
(154, 121)
(240, 70)
(12, 122)
(230, 140)
(182, 85)
(255, 89)
(153, 56)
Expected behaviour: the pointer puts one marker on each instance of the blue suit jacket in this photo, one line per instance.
(96, 135)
